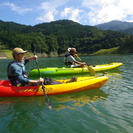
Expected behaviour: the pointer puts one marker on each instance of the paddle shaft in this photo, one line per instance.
(89, 68)
(43, 87)
(79, 58)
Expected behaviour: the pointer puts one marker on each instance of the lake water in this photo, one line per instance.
(105, 110)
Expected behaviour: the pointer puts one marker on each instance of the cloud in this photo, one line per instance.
(48, 16)
(48, 10)
(17, 9)
(88, 12)
(72, 14)
(100, 11)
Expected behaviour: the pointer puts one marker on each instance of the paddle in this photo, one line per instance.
(89, 68)
(33, 46)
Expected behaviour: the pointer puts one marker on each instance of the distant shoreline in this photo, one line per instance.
(3, 57)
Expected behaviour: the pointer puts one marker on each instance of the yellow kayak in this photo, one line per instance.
(82, 84)
(52, 71)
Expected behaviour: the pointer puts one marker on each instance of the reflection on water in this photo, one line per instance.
(79, 99)
(71, 101)
(27, 112)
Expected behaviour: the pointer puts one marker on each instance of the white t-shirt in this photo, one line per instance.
(70, 58)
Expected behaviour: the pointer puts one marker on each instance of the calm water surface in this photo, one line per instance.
(105, 110)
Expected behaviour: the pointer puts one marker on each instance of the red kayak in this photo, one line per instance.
(82, 84)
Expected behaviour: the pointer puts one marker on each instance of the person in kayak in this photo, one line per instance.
(16, 71)
(70, 60)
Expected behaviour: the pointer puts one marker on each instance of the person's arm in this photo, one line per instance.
(72, 59)
(16, 71)
(33, 58)
(40, 80)
(30, 58)
(80, 63)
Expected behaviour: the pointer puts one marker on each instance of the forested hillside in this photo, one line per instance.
(57, 36)
(127, 47)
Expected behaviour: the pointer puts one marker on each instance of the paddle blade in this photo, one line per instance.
(47, 100)
(33, 48)
(91, 70)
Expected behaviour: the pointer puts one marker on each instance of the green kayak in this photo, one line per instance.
(52, 71)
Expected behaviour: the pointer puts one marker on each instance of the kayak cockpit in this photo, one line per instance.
(5, 83)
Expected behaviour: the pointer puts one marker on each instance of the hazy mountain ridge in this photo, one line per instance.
(116, 25)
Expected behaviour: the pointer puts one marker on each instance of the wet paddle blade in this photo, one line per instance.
(91, 70)
(46, 98)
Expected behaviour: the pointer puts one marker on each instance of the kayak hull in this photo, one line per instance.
(53, 71)
(82, 84)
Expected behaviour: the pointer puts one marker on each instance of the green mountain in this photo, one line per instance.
(116, 25)
(55, 37)
(11, 26)
(128, 31)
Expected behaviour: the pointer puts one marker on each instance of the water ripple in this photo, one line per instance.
(105, 110)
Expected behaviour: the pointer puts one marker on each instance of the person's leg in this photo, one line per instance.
(49, 81)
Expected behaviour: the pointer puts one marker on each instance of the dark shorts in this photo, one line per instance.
(49, 81)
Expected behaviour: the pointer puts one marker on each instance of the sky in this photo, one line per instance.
(85, 12)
